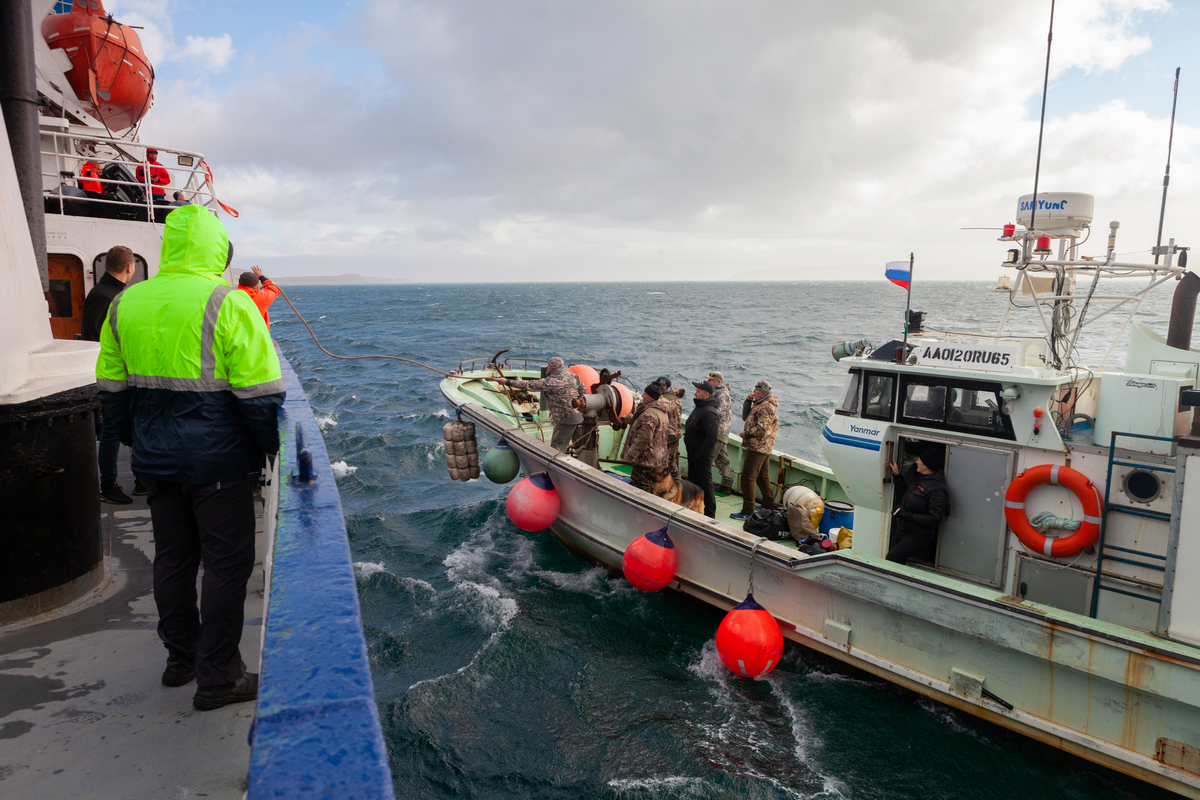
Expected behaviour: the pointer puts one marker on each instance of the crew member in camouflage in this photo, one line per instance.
(674, 399)
(725, 414)
(560, 388)
(646, 439)
(761, 413)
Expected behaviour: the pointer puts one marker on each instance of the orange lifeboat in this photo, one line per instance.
(109, 69)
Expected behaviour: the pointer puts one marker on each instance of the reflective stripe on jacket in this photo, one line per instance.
(187, 369)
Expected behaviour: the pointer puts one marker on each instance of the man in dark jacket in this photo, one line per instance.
(700, 437)
(118, 270)
(190, 378)
(924, 503)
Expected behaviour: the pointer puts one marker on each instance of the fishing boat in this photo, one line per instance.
(77, 616)
(1087, 641)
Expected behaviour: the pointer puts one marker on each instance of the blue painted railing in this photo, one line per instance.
(316, 732)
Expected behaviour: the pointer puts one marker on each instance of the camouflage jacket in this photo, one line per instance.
(762, 423)
(674, 414)
(560, 389)
(724, 410)
(646, 439)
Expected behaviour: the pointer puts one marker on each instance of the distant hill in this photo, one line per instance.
(326, 280)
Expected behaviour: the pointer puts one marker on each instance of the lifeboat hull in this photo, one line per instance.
(109, 70)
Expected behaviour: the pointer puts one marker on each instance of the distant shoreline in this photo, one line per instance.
(335, 280)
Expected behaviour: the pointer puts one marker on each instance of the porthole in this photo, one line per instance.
(1142, 486)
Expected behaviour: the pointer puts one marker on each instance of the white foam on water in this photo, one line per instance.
(669, 786)
(325, 421)
(341, 469)
(803, 733)
(443, 413)
(365, 569)
(945, 716)
(653, 293)
(590, 582)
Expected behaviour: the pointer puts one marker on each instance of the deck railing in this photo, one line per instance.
(63, 157)
(316, 732)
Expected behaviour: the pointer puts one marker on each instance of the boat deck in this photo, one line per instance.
(83, 712)
(726, 503)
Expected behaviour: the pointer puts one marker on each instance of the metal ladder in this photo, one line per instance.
(1126, 552)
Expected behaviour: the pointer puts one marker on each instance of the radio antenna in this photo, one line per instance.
(1041, 128)
(1167, 175)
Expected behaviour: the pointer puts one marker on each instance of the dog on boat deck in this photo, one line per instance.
(678, 491)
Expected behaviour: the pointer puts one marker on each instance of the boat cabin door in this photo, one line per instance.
(971, 539)
(65, 296)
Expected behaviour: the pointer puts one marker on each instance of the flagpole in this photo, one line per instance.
(902, 355)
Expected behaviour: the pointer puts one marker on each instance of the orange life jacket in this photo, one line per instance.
(89, 170)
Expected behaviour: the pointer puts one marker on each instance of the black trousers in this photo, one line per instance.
(700, 473)
(213, 524)
(911, 546)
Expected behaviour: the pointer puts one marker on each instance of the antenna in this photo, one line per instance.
(1167, 176)
(1041, 128)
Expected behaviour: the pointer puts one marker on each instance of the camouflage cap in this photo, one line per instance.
(763, 386)
(714, 374)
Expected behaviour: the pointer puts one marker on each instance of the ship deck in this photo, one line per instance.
(83, 712)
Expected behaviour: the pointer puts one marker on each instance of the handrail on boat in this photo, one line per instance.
(317, 725)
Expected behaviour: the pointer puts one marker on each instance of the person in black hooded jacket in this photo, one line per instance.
(700, 438)
(924, 503)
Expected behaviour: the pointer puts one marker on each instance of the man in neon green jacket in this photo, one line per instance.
(192, 382)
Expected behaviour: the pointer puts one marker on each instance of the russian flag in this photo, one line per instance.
(898, 273)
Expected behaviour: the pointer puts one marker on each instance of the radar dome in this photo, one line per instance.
(1058, 213)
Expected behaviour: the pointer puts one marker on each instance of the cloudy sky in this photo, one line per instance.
(794, 139)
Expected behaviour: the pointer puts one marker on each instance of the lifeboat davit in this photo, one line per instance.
(109, 70)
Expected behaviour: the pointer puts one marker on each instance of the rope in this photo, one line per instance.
(357, 358)
(212, 187)
(753, 553)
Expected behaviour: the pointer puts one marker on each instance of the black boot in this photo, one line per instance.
(139, 488)
(242, 690)
(113, 494)
(179, 671)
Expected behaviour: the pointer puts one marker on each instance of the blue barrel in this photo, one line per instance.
(837, 515)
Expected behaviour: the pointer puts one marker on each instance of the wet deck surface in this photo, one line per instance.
(83, 712)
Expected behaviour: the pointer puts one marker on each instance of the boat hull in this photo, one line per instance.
(1103, 692)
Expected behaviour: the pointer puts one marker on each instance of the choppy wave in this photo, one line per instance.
(341, 469)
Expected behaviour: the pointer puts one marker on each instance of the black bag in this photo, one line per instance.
(769, 522)
(812, 546)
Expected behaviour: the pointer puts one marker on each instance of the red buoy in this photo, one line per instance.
(533, 503)
(586, 374)
(650, 560)
(749, 641)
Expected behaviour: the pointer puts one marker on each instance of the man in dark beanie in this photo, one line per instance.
(646, 439)
(924, 503)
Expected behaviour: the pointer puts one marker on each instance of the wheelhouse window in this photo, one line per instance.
(966, 406)
(880, 396)
(925, 402)
(851, 394)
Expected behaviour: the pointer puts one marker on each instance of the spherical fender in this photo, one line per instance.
(533, 503)
(650, 560)
(749, 640)
(501, 464)
(586, 374)
(1067, 546)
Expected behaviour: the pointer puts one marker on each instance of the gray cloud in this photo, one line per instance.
(700, 139)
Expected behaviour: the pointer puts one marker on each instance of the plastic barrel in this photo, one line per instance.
(837, 515)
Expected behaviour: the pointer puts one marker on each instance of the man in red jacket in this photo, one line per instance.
(159, 177)
(249, 283)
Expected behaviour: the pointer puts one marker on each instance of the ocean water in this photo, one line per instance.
(507, 666)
